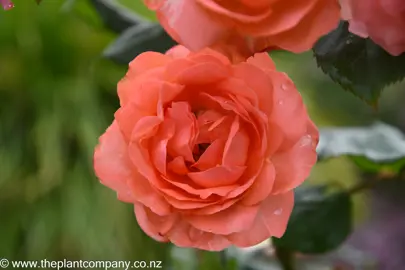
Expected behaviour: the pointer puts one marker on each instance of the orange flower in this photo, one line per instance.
(250, 25)
(208, 152)
(381, 20)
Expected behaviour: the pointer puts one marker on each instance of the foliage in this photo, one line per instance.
(321, 221)
(373, 148)
(358, 64)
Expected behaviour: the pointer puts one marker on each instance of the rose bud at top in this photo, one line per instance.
(208, 152)
(6, 4)
(381, 20)
(249, 25)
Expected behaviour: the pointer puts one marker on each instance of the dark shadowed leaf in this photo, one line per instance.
(136, 40)
(357, 64)
(320, 221)
(374, 148)
(115, 16)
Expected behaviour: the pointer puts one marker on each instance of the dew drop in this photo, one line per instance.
(306, 140)
(284, 87)
(280, 102)
(278, 212)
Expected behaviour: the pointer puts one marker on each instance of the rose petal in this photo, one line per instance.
(211, 157)
(218, 176)
(203, 73)
(234, 219)
(146, 94)
(147, 195)
(294, 165)
(184, 235)
(262, 61)
(127, 117)
(323, 18)
(146, 127)
(271, 220)
(239, 88)
(262, 186)
(185, 127)
(159, 145)
(177, 52)
(153, 225)
(288, 111)
(147, 61)
(183, 20)
(111, 163)
(203, 193)
(178, 166)
(129, 85)
(236, 147)
(208, 55)
(257, 80)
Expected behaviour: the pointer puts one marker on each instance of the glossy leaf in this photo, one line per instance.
(374, 148)
(357, 64)
(136, 40)
(320, 221)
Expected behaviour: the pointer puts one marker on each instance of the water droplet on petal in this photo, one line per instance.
(306, 140)
(280, 102)
(278, 212)
(284, 87)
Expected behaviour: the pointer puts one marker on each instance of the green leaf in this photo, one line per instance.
(136, 40)
(357, 64)
(374, 148)
(320, 221)
(115, 16)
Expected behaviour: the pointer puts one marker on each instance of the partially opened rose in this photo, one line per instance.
(381, 20)
(248, 25)
(208, 152)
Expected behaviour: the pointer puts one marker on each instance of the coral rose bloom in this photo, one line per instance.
(249, 25)
(208, 152)
(381, 20)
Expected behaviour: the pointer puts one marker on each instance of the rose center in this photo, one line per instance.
(199, 149)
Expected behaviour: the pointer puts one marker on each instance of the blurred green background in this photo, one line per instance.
(57, 96)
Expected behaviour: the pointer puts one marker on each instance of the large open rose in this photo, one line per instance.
(248, 25)
(208, 152)
(381, 20)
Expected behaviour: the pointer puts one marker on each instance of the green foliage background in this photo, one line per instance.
(57, 96)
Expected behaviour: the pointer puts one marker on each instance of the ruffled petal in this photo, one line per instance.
(184, 235)
(183, 20)
(234, 219)
(154, 225)
(111, 163)
(271, 220)
(294, 166)
(262, 186)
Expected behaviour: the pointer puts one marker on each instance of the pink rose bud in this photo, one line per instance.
(6, 4)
